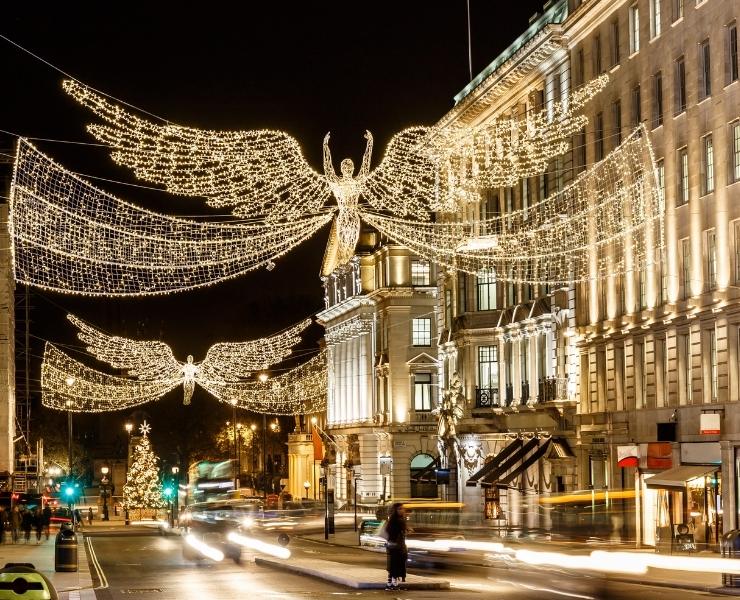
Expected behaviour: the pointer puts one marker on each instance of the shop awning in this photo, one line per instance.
(493, 476)
(494, 462)
(676, 478)
(524, 465)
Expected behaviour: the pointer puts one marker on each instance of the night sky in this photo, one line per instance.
(302, 67)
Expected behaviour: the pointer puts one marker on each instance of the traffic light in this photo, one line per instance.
(168, 491)
(70, 490)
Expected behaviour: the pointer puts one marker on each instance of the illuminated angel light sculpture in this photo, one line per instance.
(154, 361)
(263, 172)
(69, 385)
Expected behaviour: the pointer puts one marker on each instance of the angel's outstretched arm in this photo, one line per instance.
(329, 171)
(365, 168)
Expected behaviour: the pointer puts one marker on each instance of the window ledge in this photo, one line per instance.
(700, 3)
(635, 53)
(655, 38)
(703, 100)
(679, 114)
(613, 68)
(677, 21)
(728, 85)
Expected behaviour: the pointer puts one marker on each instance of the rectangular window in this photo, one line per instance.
(634, 29)
(711, 260)
(663, 276)
(679, 77)
(657, 99)
(713, 365)
(462, 292)
(486, 284)
(707, 165)
(687, 369)
(524, 358)
(420, 272)
(640, 387)
(422, 392)
(705, 75)
(598, 67)
(488, 369)
(662, 350)
(448, 309)
(614, 43)
(599, 136)
(677, 10)
(655, 28)
(617, 120)
(660, 176)
(682, 196)
(636, 106)
(421, 331)
(686, 267)
(734, 151)
(731, 61)
(580, 150)
(580, 67)
(643, 289)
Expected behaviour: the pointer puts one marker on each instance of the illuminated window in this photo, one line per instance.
(655, 27)
(682, 196)
(422, 392)
(421, 331)
(686, 266)
(711, 260)
(707, 165)
(713, 365)
(734, 151)
(634, 29)
(486, 285)
(462, 292)
(488, 367)
(685, 341)
(705, 75)
(420, 272)
(448, 309)
(640, 375)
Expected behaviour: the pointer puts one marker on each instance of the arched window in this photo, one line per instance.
(423, 476)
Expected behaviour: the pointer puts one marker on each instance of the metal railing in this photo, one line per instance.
(486, 397)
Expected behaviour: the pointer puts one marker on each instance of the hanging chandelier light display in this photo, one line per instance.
(71, 237)
(607, 222)
(153, 371)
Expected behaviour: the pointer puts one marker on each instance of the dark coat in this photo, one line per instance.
(395, 548)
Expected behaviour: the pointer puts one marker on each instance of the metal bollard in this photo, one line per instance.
(65, 551)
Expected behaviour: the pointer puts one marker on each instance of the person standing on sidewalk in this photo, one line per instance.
(3, 523)
(38, 523)
(46, 514)
(27, 524)
(15, 524)
(89, 515)
(395, 547)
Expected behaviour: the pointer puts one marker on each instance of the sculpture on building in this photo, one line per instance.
(449, 412)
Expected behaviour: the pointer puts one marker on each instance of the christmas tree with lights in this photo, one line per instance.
(142, 489)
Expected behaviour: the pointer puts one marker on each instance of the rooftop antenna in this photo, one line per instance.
(470, 48)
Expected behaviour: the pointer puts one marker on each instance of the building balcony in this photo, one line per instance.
(549, 389)
(486, 397)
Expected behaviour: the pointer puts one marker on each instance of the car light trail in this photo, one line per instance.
(204, 549)
(259, 545)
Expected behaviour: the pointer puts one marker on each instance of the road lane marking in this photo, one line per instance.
(94, 559)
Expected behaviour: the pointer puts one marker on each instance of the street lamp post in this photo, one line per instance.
(314, 420)
(253, 427)
(263, 377)
(233, 432)
(129, 428)
(104, 490)
(70, 381)
(175, 512)
(237, 442)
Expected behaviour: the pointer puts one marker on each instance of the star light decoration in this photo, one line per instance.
(607, 222)
(145, 428)
(153, 371)
(68, 236)
(263, 172)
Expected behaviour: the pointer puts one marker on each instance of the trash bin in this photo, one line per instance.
(65, 551)
(730, 545)
(22, 580)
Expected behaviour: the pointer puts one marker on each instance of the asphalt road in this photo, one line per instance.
(152, 567)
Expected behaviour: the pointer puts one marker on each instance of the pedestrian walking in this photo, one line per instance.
(395, 547)
(27, 524)
(89, 515)
(38, 523)
(15, 524)
(46, 514)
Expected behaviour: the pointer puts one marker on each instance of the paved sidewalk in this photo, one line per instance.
(70, 586)
(709, 582)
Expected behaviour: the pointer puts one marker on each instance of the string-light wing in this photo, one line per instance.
(260, 172)
(302, 390)
(69, 385)
(236, 360)
(404, 182)
(69, 236)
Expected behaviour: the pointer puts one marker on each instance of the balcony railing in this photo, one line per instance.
(486, 397)
(552, 389)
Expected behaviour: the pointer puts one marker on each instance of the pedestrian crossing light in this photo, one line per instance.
(168, 491)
